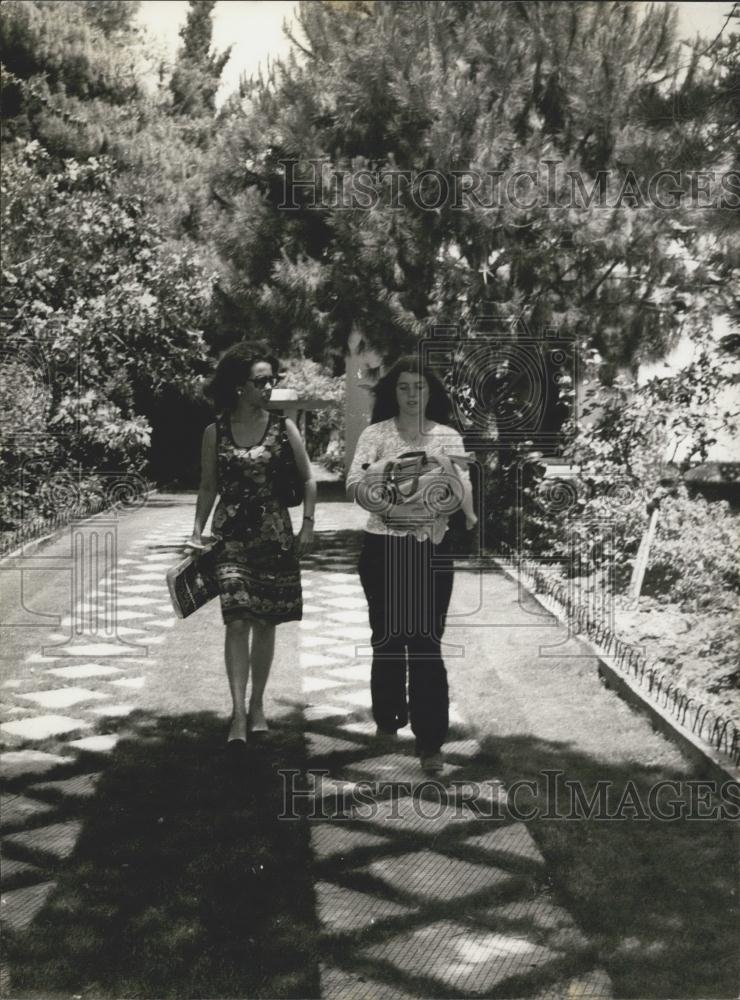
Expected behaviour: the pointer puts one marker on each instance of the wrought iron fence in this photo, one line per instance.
(691, 714)
(37, 527)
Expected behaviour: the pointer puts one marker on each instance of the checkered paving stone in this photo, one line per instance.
(462, 748)
(58, 840)
(351, 604)
(488, 794)
(345, 910)
(124, 615)
(347, 632)
(17, 810)
(428, 815)
(96, 744)
(352, 617)
(12, 871)
(18, 907)
(360, 672)
(336, 839)
(431, 877)
(15, 711)
(25, 763)
(592, 985)
(134, 602)
(311, 660)
(43, 727)
(368, 728)
(393, 767)
(514, 840)
(461, 958)
(118, 649)
(82, 786)
(85, 670)
(310, 641)
(349, 652)
(320, 745)
(62, 697)
(311, 684)
(342, 984)
(316, 713)
(113, 711)
(134, 683)
(539, 916)
(360, 697)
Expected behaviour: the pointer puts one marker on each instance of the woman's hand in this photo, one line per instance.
(196, 543)
(304, 541)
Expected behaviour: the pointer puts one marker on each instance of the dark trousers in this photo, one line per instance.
(408, 585)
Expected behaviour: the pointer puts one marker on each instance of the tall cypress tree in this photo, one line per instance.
(197, 73)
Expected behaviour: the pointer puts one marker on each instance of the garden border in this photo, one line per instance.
(47, 529)
(710, 740)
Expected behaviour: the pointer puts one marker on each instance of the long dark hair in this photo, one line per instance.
(233, 369)
(386, 405)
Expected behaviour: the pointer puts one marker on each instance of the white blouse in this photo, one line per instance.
(383, 440)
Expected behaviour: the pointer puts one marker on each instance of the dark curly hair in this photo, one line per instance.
(233, 369)
(386, 405)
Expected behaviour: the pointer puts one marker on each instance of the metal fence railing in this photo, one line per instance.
(37, 527)
(721, 733)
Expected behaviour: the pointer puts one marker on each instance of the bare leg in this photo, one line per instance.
(237, 670)
(263, 648)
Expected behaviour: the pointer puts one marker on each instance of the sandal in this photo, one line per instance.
(257, 727)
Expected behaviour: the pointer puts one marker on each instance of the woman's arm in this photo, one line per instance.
(305, 536)
(208, 489)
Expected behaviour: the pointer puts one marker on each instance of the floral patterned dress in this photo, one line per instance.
(257, 564)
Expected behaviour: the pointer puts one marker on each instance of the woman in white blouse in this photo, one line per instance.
(407, 569)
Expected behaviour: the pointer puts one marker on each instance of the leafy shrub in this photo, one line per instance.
(626, 446)
(695, 556)
(325, 427)
(100, 314)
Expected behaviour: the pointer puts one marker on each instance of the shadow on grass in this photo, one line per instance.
(183, 882)
(658, 897)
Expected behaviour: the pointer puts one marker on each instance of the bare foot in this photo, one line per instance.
(238, 729)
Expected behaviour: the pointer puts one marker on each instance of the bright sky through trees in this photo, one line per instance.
(254, 28)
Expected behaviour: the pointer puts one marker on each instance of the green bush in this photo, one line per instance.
(623, 453)
(325, 428)
(695, 556)
(100, 314)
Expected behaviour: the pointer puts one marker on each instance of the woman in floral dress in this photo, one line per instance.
(258, 556)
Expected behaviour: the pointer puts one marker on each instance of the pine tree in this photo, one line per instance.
(486, 87)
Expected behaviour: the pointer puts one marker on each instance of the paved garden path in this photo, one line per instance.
(420, 888)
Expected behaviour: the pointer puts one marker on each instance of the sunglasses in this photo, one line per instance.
(262, 380)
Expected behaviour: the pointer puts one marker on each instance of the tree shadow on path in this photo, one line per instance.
(184, 881)
(658, 897)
